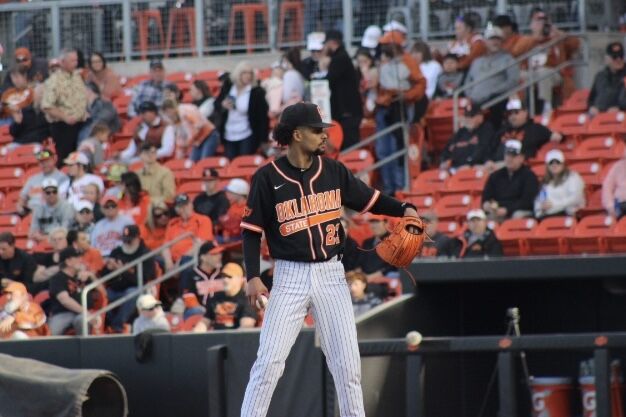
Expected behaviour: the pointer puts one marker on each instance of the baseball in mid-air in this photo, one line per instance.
(261, 301)
(413, 339)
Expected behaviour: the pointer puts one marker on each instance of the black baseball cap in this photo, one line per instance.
(148, 106)
(69, 252)
(181, 200)
(146, 146)
(303, 114)
(333, 35)
(615, 50)
(450, 55)
(472, 109)
(211, 174)
(156, 63)
(130, 232)
(210, 248)
(503, 20)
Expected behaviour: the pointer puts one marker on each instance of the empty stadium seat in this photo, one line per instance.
(219, 163)
(593, 204)
(550, 236)
(450, 228)
(470, 180)
(513, 235)
(616, 241)
(573, 125)
(590, 234)
(455, 206)
(422, 202)
(357, 160)
(609, 123)
(598, 149)
(590, 172)
(429, 182)
(575, 103)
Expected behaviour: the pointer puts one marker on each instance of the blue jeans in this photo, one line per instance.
(206, 148)
(392, 173)
(121, 315)
(238, 148)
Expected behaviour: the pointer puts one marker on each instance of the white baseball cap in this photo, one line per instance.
(493, 32)
(49, 183)
(76, 158)
(476, 213)
(395, 25)
(513, 146)
(147, 302)
(82, 205)
(555, 155)
(238, 186)
(371, 36)
(514, 104)
(315, 41)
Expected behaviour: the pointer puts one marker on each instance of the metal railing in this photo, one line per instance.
(87, 316)
(516, 62)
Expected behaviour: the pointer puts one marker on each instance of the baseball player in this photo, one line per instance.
(296, 201)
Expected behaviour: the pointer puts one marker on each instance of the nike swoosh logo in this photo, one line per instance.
(276, 187)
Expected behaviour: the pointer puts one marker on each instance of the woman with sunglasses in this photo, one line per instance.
(153, 229)
(563, 191)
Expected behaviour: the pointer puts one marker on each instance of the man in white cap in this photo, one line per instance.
(31, 194)
(77, 163)
(478, 240)
(83, 217)
(54, 212)
(315, 46)
(503, 81)
(151, 315)
(370, 39)
(510, 191)
(237, 193)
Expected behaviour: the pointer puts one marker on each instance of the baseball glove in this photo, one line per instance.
(404, 242)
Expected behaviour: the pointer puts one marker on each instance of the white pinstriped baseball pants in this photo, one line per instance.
(323, 287)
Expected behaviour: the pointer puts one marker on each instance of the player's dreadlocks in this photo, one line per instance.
(283, 133)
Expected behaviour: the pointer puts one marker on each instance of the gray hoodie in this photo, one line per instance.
(499, 83)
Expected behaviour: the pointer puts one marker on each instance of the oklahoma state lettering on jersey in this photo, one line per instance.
(300, 210)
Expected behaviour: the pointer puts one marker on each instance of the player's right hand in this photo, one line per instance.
(255, 288)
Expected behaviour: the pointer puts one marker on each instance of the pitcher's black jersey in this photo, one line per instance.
(299, 209)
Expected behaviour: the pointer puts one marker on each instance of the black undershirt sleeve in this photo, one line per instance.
(389, 206)
(252, 253)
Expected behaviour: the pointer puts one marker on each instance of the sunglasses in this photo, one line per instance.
(151, 308)
(110, 206)
(51, 192)
(159, 213)
(555, 162)
(20, 60)
(85, 211)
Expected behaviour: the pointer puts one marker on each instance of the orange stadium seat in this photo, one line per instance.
(594, 204)
(576, 103)
(218, 162)
(130, 127)
(598, 149)
(8, 201)
(429, 182)
(550, 236)
(422, 202)
(513, 235)
(590, 234)
(616, 242)
(248, 161)
(450, 228)
(610, 123)
(572, 124)
(9, 220)
(590, 172)
(357, 160)
(192, 188)
(470, 180)
(455, 206)
(12, 172)
(209, 75)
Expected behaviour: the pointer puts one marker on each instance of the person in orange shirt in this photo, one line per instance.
(133, 201)
(153, 229)
(237, 193)
(21, 318)
(201, 227)
(91, 257)
(468, 44)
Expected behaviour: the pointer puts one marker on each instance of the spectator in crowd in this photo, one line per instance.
(451, 78)
(65, 103)
(345, 100)
(153, 229)
(478, 240)
(401, 85)
(540, 65)
(362, 300)
(201, 97)
(153, 130)
(510, 191)
(371, 264)
(107, 233)
(198, 225)
(293, 81)
(472, 143)
(20, 317)
(91, 194)
(439, 244)
(99, 111)
(77, 164)
(107, 81)
(237, 194)
(91, 258)
(371, 40)
(48, 261)
(93, 145)
(430, 68)
(31, 194)
(273, 87)
(156, 179)
(114, 174)
(16, 264)
(133, 201)
(497, 84)
(172, 92)
(65, 295)
(614, 189)
(83, 220)
(520, 126)
(468, 45)
(28, 122)
(150, 90)
(195, 135)
(131, 249)
(229, 309)
(609, 82)
(510, 32)
(368, 76)
(200, 283)
(36, 69)
(213, 202)
(315, 46)
(563, 190)
(151, 315)
(54, 212)
(243, 113)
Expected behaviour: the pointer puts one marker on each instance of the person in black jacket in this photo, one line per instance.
(28, 125)
(132, 248)
(439, 245)
(212, 202)
(478, 240)
(241, 113)
(345, 99)
(609, 84)
(472, 143)
(16, 264)
(510, 191)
